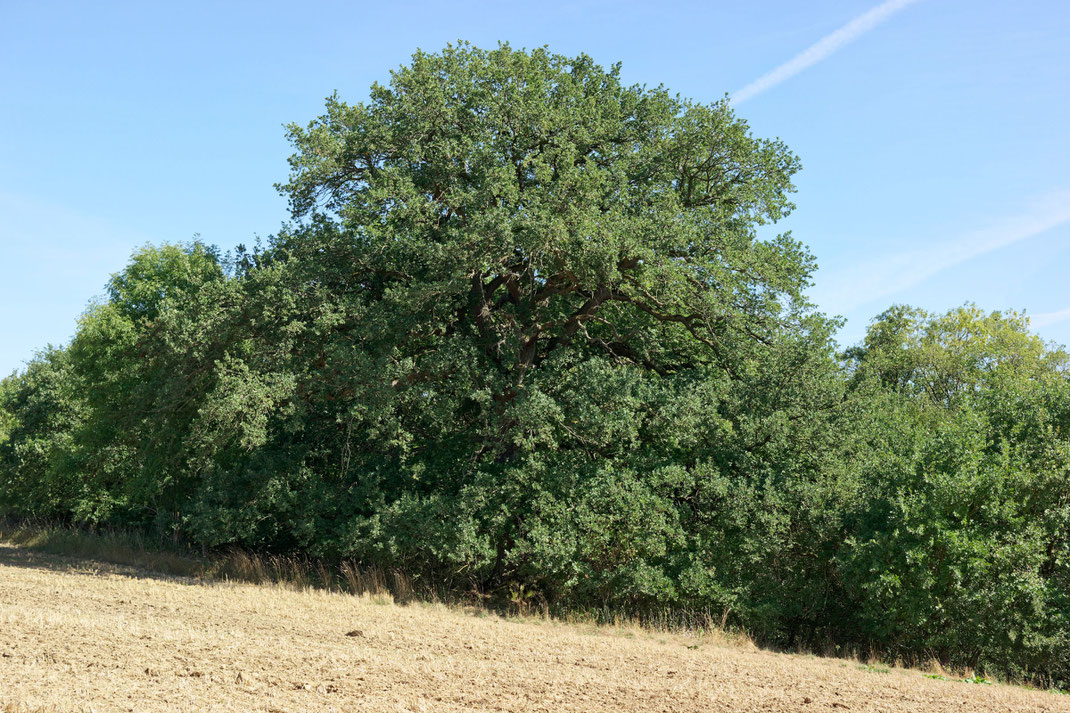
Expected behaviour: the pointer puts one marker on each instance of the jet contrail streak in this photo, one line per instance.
(822, 49)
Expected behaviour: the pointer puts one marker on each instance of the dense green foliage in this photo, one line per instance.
(523, 337)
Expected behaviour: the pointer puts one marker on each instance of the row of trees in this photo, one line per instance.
(522, 335)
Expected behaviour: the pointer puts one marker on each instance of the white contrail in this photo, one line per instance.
(887, 275)
(822, 49)
(1046, 319)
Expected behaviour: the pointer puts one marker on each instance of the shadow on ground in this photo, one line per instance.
(26, 558)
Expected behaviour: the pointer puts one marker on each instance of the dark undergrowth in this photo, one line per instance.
(173, 557)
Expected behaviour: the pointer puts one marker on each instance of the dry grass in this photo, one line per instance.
(79, 635)
(233, 565)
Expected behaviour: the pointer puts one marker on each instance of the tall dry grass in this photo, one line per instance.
(171, 557)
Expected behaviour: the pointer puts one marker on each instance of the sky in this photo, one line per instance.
(932, 133)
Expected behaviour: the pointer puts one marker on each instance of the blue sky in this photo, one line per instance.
(933, 133)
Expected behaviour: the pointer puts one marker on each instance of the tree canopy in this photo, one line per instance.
(528, 203)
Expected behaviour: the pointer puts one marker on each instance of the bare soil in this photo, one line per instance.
(86, 636)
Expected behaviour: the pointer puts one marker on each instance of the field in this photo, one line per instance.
(80, 635)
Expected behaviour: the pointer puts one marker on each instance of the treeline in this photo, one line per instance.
(522, 337)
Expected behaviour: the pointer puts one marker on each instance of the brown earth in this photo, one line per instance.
(85, 636)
